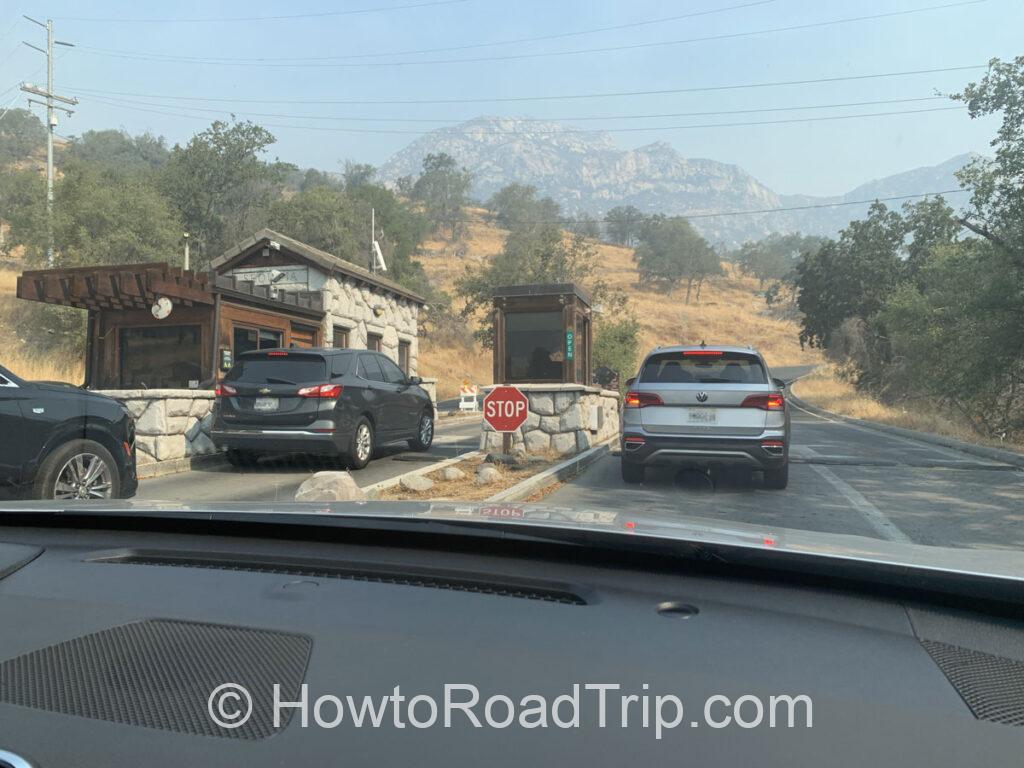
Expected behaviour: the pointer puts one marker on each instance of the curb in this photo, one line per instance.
(174, 466)
(984, 451)
(373, 490)
(540, 481)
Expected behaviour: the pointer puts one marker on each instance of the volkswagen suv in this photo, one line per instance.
(704, 406)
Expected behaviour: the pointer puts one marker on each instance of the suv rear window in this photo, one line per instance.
(292, 369)
(706, 368)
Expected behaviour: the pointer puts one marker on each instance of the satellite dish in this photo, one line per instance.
(161, 308)
(378, 258)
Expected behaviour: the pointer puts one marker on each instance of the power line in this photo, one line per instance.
(561, 97)
(232, 19)
(142, 56)
(480, 132)
(449, 120)
(448, 49)
(721, 214)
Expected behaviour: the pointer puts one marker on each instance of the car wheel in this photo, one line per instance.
(361, 450)
(237, 458)
(79, 469)
(632, 473)
(424, 432)
(777, 479)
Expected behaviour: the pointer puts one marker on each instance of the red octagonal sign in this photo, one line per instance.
(505, 409)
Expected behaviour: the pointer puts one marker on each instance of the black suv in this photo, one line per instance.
(338, 402)
(58, 441)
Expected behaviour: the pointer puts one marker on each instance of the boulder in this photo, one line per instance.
(549, 424)
(570, 420)
(563, 400)
(416, 483)
(564, 443)
(542, 404)
(330, 486)
(153, 420)
(452, 473)
(487, 475)
(537, 441)
(179, 406)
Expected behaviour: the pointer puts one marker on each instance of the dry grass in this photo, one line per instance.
(827, 389)
(730, 309)
(21, 359)
(466, 489)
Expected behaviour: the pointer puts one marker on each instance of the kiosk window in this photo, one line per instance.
(534, 346)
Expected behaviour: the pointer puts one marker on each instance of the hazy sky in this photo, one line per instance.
(823, 157)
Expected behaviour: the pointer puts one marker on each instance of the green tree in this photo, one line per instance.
(516, 206)
(358, 174)
(442, 188)
(218, 181)
(21, 134)
(931, 224)
(323, 217)
(586, 225)
(624, 224)
(672, 252)
(617, 346)
(118, 152)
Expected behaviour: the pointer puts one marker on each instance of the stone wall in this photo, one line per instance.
(562, 418)
(169, 423)
(353, 306)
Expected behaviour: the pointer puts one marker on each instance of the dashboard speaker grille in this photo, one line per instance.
(160, 674)
(992, 686)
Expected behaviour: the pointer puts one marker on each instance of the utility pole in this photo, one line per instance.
(51, 119)
(186, 250)
(373, 239)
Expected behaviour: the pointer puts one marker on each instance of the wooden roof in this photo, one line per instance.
(326, 261)
(129, 286)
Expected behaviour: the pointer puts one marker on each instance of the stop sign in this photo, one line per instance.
(505, 409)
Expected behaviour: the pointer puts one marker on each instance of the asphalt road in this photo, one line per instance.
(276, 478)
(843, 479)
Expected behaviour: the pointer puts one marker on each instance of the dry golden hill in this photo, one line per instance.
(730, 309)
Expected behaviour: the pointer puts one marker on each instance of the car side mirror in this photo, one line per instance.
(779, 383)
(415, 380)
(630, 382)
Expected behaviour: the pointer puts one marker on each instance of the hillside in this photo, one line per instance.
(584, 171)
(730, 309)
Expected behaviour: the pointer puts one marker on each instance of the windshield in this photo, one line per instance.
(750, 267)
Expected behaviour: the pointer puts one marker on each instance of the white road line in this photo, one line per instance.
(882, 524)
(949, 453)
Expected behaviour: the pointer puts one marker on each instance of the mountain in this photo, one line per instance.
(585, 171)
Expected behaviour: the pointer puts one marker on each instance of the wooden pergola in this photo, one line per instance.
(115, 287)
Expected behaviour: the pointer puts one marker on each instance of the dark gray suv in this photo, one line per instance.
(339, 402)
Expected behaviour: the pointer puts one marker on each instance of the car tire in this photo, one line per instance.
(777, 479)
(424, 432)
(101, 481)
(360, 449)
(237, 458)
(632, 472)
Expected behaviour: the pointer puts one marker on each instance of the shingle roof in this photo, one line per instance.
(327, 261)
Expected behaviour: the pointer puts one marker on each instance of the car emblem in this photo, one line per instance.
(264, 390)
(702, 397)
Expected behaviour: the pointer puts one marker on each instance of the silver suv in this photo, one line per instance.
(702, 406)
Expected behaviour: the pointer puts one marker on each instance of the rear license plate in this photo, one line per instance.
(702, 416)
(265, 404)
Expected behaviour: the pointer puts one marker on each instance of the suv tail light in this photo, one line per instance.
(224, 390)
(773, 402)
(329, 391)
(641, 400)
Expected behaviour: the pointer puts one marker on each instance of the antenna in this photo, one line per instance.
(376, 257)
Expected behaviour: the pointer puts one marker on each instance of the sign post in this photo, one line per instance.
(505, 410)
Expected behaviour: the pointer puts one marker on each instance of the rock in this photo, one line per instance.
(416, 483)
(537, 441)
(200, 407)
(167, 447)
(195, 429)
(563, 400)
(153, 420)
(200, 445)
(542, 404)
(136, 407)
(500, 458)
(582, 441)
(570, 420)
(452, 473)
(330, 486)
(487, 475)
(532, 421)
(564, 443)
(549, 424)
(179, 407)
